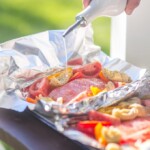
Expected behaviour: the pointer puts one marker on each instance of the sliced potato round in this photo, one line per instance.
(60, 78)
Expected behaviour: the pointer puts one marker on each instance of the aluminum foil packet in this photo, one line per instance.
(26, 59)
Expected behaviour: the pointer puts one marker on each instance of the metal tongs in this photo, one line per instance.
(79, 22)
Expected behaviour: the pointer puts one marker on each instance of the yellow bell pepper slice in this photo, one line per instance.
(98, 134)
(95, 90)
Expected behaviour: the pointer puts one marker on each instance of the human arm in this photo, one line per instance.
(131, 5)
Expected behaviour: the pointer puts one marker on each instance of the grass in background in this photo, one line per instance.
(23, 17)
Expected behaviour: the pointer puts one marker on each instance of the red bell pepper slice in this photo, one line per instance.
(40, 87)
(75, 61)
(90, 70)
(77, 75)
(87, 127)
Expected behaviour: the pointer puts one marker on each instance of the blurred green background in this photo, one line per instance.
(23, 17)
(4, 146)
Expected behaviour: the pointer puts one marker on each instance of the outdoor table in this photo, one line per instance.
(23, 131)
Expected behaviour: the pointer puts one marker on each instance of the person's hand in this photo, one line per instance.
(131, 5)
(86, 2)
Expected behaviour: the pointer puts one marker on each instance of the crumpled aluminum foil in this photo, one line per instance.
(29, 58)
(102, 99)
(26, 59)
